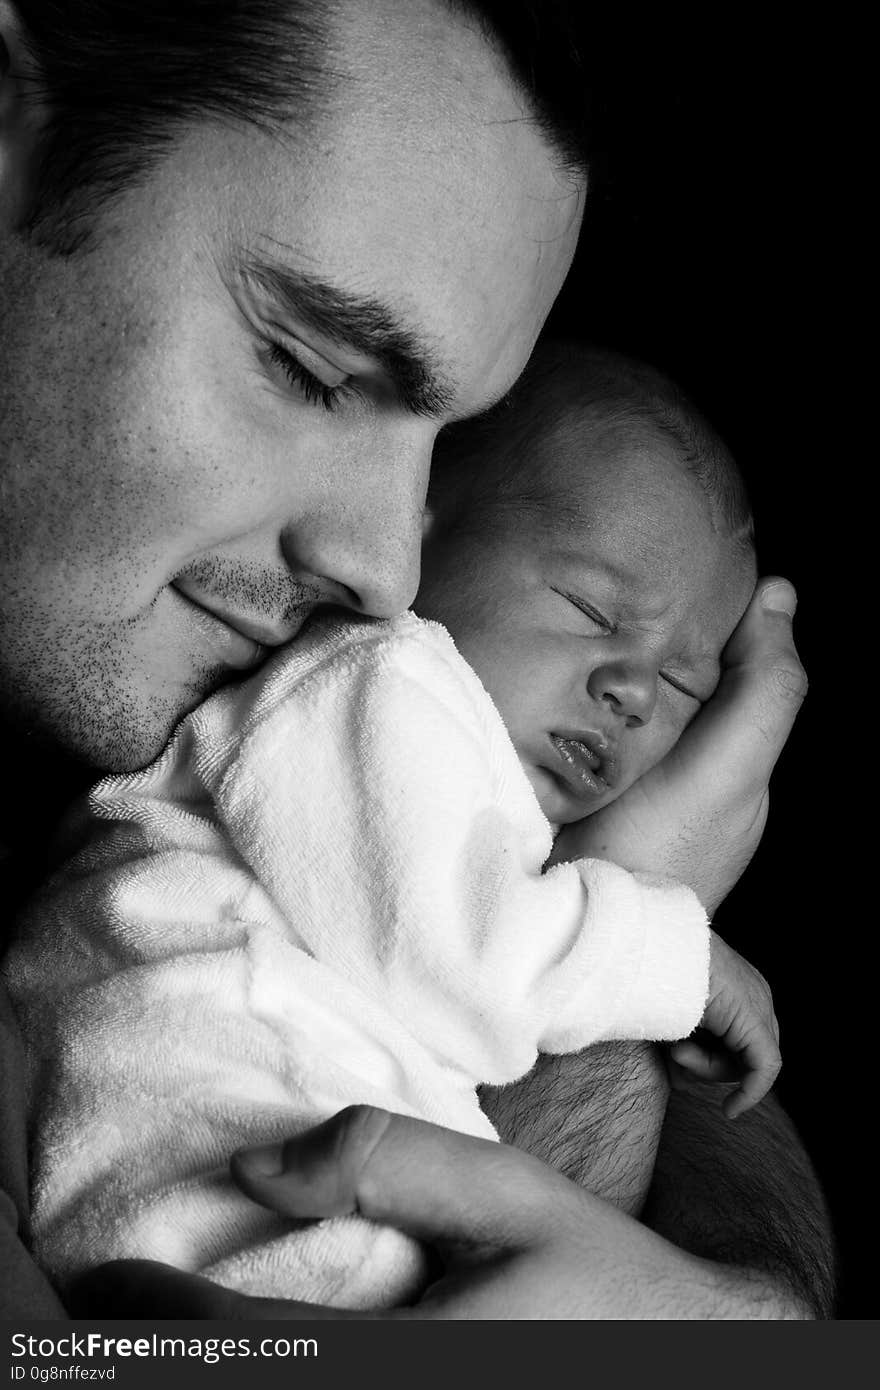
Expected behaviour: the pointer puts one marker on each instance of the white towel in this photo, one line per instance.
(328, 890)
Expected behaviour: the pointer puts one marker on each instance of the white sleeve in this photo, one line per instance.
(385, 811)
(638, 967)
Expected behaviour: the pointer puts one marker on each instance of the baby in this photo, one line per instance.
(330, 888)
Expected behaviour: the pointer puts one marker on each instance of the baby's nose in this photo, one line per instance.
(629, 689)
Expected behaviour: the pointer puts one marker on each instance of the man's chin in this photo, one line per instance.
(127, 746)
(98, 736)
(90, 751)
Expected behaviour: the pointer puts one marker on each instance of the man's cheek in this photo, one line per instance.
(212, 476)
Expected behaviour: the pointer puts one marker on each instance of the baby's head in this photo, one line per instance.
(590, 551)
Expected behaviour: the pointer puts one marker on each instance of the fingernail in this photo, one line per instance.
(267, 1161)
(779, 598)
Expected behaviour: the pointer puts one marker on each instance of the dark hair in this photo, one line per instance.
(121, 78)
(578, 400)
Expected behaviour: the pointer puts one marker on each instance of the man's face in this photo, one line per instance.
(224, 414)
(598, 639)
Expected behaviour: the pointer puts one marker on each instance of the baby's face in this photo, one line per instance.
(598, 636)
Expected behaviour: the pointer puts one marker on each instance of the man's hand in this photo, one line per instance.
(699, 815)
(513, 1238)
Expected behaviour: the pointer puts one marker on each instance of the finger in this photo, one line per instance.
(433, 1183)
(764, 1062)
(705, 1064)
(761, 690)
(761, 666)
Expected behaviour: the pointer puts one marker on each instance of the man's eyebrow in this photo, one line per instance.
(360, 323)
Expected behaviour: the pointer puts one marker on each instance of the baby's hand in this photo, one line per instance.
(740, 1013)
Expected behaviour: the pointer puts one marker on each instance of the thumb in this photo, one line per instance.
(743, 728)
(442, 1187)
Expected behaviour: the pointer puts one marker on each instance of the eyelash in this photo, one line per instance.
(315, 392)
(588, 611)
(681, 689)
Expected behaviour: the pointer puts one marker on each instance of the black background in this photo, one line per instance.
(714, 246)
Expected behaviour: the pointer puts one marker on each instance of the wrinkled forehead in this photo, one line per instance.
(615, 475)
(626, 506)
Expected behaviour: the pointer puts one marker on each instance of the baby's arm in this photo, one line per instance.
(739, 1012)
(432, 897)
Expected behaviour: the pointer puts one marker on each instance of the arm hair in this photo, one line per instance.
(607, 1143)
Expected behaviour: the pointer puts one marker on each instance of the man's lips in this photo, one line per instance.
(586, 763)
(257, 629)
(226, 643)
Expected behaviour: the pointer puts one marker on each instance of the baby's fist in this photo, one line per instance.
(739, 1013)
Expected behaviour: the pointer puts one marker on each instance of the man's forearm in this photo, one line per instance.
(595, 1116)
(743, 1194)
(740, 1195)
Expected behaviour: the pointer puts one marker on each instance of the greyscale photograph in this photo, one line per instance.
(410, 580)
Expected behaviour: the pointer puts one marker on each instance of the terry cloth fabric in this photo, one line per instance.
(328, 890)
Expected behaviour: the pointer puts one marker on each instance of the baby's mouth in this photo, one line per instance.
(587, 763)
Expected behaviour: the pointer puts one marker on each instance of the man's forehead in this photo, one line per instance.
(452, 220)
(421, 61)
(456, 306)
(447, 196)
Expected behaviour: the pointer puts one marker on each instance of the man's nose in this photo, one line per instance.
(366, 535)
(626, 686)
